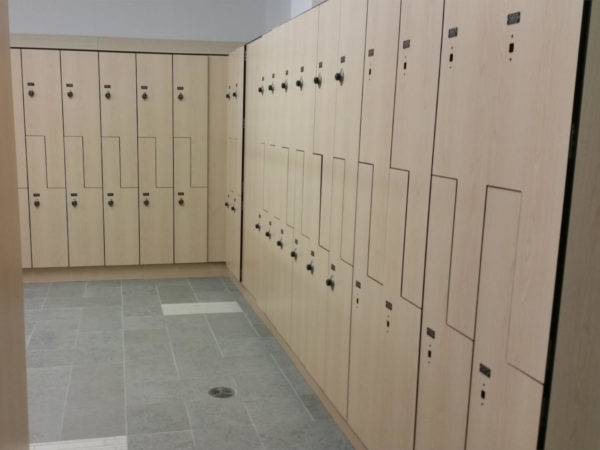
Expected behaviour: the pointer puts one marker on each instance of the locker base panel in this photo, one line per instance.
(216, 269)
(337, 417)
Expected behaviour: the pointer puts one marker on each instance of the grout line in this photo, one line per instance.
(215, 338)
(173, 353)
(62, 420)
(237, 388)
(124, 370)
(293, 388)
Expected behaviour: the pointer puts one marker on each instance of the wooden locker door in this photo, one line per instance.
(118, 103)
(156, 209)
(217, 147)
(414, 124)
(235, 236)
(84, 210)
(505, 403)
(238, 102)
(48, 215)
(284, 263)
(19, 118)
(121, 213)
(43, 109)
(445, 363)
(25, 232)
(325, 103)
(81, 110)
(191, 207)
(349, 82)
(155, 113)
(299, 315)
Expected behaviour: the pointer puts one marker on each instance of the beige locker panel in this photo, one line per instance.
(155, 111)
(301, 278)
(84, 210)
(119, 110)
(19, 118)
(505, 403)
(310, 196)
(445, 363)
(377, 118)
(190, 111)
(316, 309)
(234, 235)
(325, 103)
(121, 214)
(191, 208)
(43, 109)
(217, 141)
(25, 232)
(81, 109)
(505, 59)
(302, 86)
(282, 307)
(156, 210)
(414, 123)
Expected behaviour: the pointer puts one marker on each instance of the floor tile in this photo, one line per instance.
(141, 305)
(141, 344)
(138, 287)
(66, 289)
(150, 369)
(174, 440)
(231, 326)
(216, 296)
(80, 301)
(209, 412)
(72, 314)
(178, 309)
(34, 303)
(264, 384)
(227, 437)
(52, 339)
(176, 293)
(101, 319)
(318, 435)
(33, 290)
(248, 346)
(207, 284)
(96, 347)
(106, 443)
(159, 282)
(96, 402)
(143, 322)
(168, 416)
(315, 407)
(49, 358)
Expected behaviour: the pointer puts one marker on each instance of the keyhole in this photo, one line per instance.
(482, 394)
(511, 47)
(405, 64)
(357, 301)
(370, 71)
(388, 323)
(451, 57)
(429, 353)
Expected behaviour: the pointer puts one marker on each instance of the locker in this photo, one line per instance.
(190, 111)
(299, 312)
(234, 235)
(217, 140)
(505, 403)
(121, 213)
(156, 209)
(43, 109)
(377, 119)
(47, 209)
(25, 232)
(155, 113)
(509, 63)
(118, 103)
(445, 363)
(81, 111)
(84, 210)
(414, 124)
(325, 104)
(281, 305)
(19, 118)
(191, 207)
(311, 190)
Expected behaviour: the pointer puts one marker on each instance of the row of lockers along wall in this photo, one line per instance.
(404, 174)
(113, 154)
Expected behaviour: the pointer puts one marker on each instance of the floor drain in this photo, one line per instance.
(221, 392)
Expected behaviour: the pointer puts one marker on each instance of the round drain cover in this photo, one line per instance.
(221, 392)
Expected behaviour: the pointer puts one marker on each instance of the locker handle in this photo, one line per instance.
(180, 202)
(318, 80)
(294, 254)
(36, 203)
(107, 95)
(233, 208)
(70, 94)
(284, 85)
(226, 204)
(235, 94)
(310, 267)
(300, 83)
(257, 226)
(180, 96)
(268, 234)
(111, 202)
(272, 87)
(339, 76)
(227, 96)
(146, 202)
(31, 93)
(261, 89)
(145, 96)
(330, 282)
(74, 203)
(280, 243)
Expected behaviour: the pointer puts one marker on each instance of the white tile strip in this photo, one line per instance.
(108, 443)
(179, 309)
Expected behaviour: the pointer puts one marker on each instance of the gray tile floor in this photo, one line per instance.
(104, 361)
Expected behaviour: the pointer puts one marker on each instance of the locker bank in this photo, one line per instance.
(296, 224)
